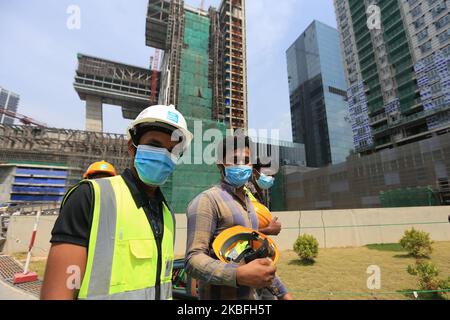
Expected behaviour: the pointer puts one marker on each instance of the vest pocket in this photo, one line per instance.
(142, 264)
(141, 249)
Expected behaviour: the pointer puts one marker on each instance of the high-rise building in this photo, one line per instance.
(204, 65)
(397, 58)
(318, 96)
(9, 101)
(233, 28)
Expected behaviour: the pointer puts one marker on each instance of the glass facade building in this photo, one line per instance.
(318, 97)
(8, 101)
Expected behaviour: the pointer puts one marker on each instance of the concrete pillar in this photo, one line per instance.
(94, 114)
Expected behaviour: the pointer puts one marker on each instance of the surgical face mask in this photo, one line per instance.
(265, 182)
(154, 165)
(238, 176)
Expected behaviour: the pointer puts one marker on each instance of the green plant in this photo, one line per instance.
(417, 243)
(428, 274)
(307, 247)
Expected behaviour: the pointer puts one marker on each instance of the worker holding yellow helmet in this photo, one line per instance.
(223, 218)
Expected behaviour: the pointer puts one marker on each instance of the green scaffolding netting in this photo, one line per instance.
(195, 103)
(408, 197)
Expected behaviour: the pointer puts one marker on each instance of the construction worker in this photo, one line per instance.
(256, 188)
(262, 180)
(216, 210)
(115, 236)
(100, 169)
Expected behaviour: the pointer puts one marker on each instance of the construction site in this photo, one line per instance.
(200, 66)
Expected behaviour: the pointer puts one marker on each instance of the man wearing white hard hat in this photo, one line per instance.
(117, 234)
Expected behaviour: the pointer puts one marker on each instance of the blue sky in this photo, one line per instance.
(38, 55)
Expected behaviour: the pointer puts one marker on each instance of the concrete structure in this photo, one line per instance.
(333, 229)
(318, 96)
(73, 149)
(76, 150)
(7, 292)
(100, 81)
(360, 181)
(9, 101)
(398, 73)
(32, 183)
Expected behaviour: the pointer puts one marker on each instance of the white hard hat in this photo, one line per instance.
(164, 117)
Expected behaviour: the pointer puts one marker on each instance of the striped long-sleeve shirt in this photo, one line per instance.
(210, 213)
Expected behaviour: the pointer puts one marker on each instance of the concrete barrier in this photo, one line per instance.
(332, 228)
(19, 231)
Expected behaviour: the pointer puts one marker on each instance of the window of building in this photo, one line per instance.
(442, 22)
(416, 11)
(422, 34)
(426, 47)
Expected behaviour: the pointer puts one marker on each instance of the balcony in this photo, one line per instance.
(378, 119)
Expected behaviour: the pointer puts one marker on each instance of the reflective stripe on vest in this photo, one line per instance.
(122, 254)
(144, 294)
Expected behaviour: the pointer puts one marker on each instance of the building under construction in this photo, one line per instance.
(199, 66)
(204, 69)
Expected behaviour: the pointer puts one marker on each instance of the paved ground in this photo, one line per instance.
(9, 293)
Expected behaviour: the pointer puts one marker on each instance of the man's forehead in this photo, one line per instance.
(157, 136)
(239, 155)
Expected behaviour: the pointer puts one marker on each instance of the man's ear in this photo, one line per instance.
(131, 149)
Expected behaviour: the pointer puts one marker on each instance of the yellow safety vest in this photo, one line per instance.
(125, 261)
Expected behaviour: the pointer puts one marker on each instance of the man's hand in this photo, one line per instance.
(256, 274)
(273, 229)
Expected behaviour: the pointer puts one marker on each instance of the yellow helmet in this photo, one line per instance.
(263, 213)
(240, 244)
(100, 167)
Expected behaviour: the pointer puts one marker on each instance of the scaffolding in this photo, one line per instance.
(233, 28)
(409, 197)
(216, 80)
(70, 148)
(174, 47)
(195, 101)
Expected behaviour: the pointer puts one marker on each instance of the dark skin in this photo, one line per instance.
(62, 256)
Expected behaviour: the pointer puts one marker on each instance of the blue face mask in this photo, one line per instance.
(154, 165)
(265, 182)
(238, 176)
